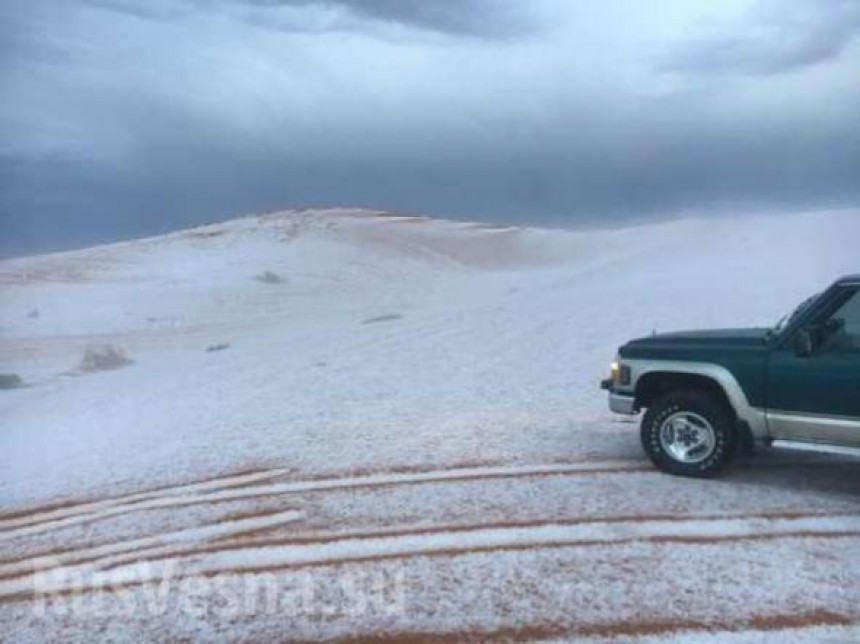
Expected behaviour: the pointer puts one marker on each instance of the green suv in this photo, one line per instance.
(710, 394)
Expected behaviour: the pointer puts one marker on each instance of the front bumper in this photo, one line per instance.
(619, 403)
(622, 404)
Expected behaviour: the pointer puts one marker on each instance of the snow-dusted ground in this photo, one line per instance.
(404, 437)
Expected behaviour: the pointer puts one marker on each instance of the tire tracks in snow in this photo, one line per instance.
(156, 563)
(252, 485)
(243, 533)
(153, 546)
(238, 544)
(40, 519)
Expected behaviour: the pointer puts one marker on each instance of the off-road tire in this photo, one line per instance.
(707, 407)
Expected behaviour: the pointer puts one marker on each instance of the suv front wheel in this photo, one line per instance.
(689, 433)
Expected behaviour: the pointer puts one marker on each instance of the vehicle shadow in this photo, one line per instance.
(798, 471)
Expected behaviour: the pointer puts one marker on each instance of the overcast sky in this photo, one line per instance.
(127, 117)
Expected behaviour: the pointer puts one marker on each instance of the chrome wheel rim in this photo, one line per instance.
(687, 437)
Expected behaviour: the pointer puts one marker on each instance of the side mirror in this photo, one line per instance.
(803, 344)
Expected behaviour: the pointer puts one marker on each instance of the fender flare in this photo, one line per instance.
(754, 417)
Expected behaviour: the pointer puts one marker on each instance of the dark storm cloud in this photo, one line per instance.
(659, 171)
(159, 10)
(784, 37)
(18, 36)
(467, 17)
(474, 17)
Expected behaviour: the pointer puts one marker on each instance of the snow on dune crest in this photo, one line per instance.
(207, 274)
(337, 237)
(309, 240)
(318, 252)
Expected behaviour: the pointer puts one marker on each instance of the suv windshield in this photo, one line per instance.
(788, 318)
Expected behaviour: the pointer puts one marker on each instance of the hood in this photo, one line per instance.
(717, 339)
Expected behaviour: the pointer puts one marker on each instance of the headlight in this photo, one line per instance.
(620, 374)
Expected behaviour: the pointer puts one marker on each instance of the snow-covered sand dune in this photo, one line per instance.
(386, 386)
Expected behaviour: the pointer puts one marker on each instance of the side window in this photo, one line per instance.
(844, 326)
